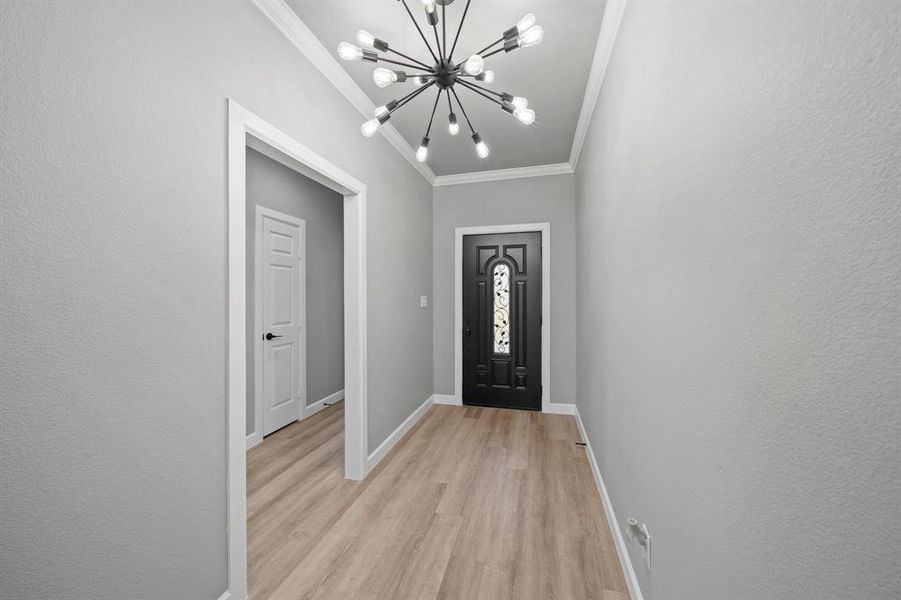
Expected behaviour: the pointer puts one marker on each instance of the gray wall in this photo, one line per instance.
(739, 276)
(113, 244)
(532, 200)
(273, 185)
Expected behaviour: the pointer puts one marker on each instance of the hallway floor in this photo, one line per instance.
(474, 503)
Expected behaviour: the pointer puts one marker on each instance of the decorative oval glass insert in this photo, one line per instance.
(502, 309)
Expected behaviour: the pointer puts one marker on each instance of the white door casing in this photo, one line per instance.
(547, 276)
(280, 301)
(246, 129)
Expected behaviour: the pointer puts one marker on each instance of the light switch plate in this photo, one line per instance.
(423, 301)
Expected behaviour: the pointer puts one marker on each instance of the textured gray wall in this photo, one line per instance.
(532, 200)
(739, 276)
(273, 185)
(113, 244)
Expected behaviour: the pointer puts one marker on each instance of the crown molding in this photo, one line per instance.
(287, 21)
(613, 16)
(501, 174)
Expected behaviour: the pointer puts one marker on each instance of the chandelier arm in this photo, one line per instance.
(491, 45)
(484, 89)
(405, 98)
(450, 55)
(493, 53)
(421, 34)
(444, 28)
(483, 94)
(438, 41)
(463, 110)
(450, 107)
(403, 64)
(432, 118)
(422, 64)
(412, 95)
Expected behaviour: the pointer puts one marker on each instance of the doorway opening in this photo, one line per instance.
(295, 289)
(544, 229)
(295, 360)
(247, 130)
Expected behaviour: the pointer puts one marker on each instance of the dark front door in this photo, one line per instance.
(502, 320)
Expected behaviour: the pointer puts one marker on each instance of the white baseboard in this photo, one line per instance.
(314, 408)
(385, 447)
(555, 408)
(449, 399)
(253, 439)
(618, 541)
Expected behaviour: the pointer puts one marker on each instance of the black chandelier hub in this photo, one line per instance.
(445, 74)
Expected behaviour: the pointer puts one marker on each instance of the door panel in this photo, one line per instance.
(282, 376)
(281, 294)
(502, 320)
(281, 261)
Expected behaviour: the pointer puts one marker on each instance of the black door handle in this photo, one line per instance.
(467, 331)
(269, 336)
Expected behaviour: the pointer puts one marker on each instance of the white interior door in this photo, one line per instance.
(280, 298)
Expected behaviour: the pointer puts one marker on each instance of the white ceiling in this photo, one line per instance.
(552, 75)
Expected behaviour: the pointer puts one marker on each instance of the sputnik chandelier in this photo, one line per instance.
(444, 74)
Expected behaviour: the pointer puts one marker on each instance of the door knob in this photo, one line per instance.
(467, 331)
(269, 336)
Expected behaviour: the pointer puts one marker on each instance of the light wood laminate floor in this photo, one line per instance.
(474, 503)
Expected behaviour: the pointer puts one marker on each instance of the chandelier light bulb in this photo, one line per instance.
(481, 147)
(486, 76)
(519, 102)
(423, 152)
(526, 116)
(364, 38)
(474, 65)
(531, 37)
(453, 127)
(370, 127)
(383, 112)
(384, 77)
(524, 23)
(431, 14)
(349, 51)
